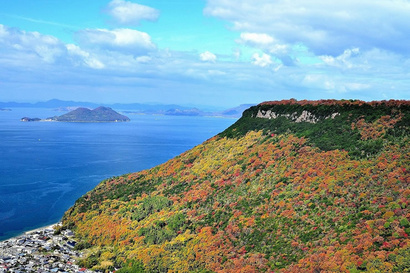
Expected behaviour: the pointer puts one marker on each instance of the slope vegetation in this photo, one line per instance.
(292, 186)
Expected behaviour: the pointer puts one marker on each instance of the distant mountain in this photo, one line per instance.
(131, 108)
(236, 111)
(187, 112)
(100, 114)
(48, 104)
(148, 108)
(61, 104)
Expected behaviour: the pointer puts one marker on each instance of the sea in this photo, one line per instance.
(46, 166)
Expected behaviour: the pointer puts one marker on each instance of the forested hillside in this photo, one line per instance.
(292, 186)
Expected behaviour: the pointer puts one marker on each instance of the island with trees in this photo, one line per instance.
(81, 114)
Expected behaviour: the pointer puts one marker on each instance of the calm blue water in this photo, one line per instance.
(46, 166)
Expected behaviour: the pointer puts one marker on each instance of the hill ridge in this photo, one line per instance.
(264, 195)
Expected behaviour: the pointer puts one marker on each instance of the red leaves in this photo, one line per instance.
(389, 103)
(276, 191)
(385, 245)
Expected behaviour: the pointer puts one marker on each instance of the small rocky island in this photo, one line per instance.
(100, 114)
(27, 119)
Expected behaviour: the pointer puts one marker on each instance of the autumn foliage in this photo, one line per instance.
(264, 200)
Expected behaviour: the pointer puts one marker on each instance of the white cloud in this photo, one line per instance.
(84, 57)
(267, 44)
(256, 38)
(3, 31)
(236, 53)
(126, 12)
(124, 64)
(44, 47)
(123, 40)
(261, 60)
(325, 27)
(207, 57)
(279, 50)
(279, 66)
(343, 60)
(357, 86)
(333, 83)
(28, 49)
(143, 59)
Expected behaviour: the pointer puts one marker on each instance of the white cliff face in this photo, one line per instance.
(306, 116)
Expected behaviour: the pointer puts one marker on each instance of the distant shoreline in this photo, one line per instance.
(42, 228)
(50, 120)
(31, 231)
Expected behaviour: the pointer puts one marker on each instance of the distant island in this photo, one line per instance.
(27, 119)
(100, 114)
(134, 108)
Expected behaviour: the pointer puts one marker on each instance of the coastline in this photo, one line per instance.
(48, 227)
(21, 233)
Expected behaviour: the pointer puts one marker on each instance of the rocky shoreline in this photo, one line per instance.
(41, 250)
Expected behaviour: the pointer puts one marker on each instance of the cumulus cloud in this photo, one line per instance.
(44, 47)
(125, 40)
(261, 60)
(128, 13)
(333, 83)
(207, 57)
(267, 44)
(80, 56)
(256, 38)
(325, 27)
(143, 59)
(121, 59)
(343, 60)
(26, 49)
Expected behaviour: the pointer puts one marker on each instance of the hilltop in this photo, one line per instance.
(292, 186)
(100, 114)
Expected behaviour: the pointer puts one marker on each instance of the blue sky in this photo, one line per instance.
(204, 52)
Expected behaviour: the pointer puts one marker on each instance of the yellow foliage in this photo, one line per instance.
(388, 214)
